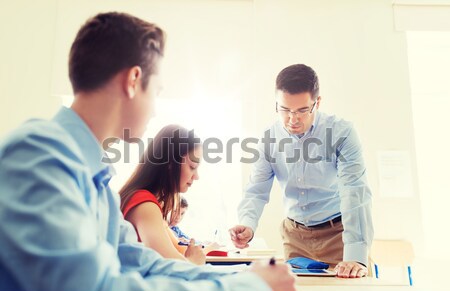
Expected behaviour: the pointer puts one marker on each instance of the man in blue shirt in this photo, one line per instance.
(318, 162)
(61, 224)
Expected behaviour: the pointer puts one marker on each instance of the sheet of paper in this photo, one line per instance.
(395, 174)
(258, 243)
(230, 268)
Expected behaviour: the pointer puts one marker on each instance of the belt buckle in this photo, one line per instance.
(298, 224)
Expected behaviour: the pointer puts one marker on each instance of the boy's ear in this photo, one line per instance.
(132, 78)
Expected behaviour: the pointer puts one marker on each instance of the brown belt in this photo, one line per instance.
(323, 224)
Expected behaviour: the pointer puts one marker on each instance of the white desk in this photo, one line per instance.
(311, 283)
(304, 283)
(233, 259)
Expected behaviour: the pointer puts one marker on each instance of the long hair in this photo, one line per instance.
(159, 168)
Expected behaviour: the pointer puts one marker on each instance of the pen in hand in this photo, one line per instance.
(180, 243)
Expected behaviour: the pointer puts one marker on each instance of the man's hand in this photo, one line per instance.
(350, 270)
(279, 276)
(241, 235)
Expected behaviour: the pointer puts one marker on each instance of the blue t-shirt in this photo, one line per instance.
(179, 233)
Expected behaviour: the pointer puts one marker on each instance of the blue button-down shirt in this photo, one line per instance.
(322, 176)
(61, 227)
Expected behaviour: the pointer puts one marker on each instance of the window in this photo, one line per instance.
(212, 199)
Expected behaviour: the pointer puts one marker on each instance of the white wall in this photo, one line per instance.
(430, 67)
(361, 61)
(27, 36)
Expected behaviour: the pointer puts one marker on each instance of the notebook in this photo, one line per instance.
(313, 272)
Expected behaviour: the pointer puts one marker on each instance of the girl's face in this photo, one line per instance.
(189, 166)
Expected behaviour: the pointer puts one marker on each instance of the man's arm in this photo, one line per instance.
(356, 200)
(256, 196)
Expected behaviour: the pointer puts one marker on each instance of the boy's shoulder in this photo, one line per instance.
(38, 133)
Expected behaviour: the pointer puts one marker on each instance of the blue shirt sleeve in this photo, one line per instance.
(52, 239)
(257, 191)
(356, 200)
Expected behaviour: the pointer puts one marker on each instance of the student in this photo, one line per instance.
(180, 235)
(61, 226)
(317, 159)
(150, 196)
(177, 219)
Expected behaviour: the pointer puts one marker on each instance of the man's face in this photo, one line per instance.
(141, 108)
(296, 111)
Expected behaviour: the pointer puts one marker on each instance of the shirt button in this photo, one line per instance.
(303, 207)
(303, 193)
(299, 179)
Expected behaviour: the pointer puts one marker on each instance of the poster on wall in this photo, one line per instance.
(395, 174)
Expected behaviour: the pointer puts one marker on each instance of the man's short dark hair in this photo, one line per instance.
(298, 78)
(109, 43)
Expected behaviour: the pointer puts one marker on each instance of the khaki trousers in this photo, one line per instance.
(321, 243)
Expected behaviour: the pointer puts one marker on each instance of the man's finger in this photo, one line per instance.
(362, 272)
(241, 236)
(354, 272)
(232, 233)
(241, 246)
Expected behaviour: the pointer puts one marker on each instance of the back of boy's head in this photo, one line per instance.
(110, 42)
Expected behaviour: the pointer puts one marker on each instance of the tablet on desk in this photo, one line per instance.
(313, 272)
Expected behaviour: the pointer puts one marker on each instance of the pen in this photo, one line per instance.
(272, 261)
(180, 243)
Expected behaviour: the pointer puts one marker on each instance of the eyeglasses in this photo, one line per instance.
(298, 113)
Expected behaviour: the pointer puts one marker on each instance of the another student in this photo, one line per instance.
(180, 235)
(61, 226)
(177, 219)
(167, 168)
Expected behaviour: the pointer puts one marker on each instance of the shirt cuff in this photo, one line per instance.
(357, 252)
(250, 223)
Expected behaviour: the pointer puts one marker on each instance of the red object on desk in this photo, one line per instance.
(218, 254)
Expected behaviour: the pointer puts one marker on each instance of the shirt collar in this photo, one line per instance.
(315, 122)
(310, 131)
(85, 139)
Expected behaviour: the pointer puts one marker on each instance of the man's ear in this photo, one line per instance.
(318, 102)
(132, 81)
